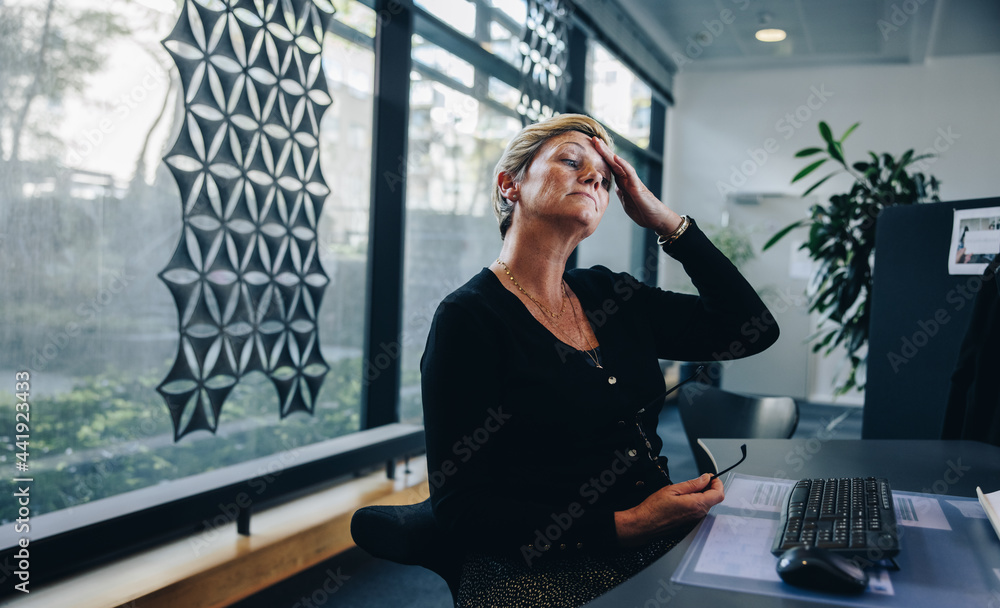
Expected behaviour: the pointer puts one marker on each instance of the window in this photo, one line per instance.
(459, 14)
(429, 55)
(496, 25)
(90, 216)
(621, 100)
(455, 141)
(616, 96)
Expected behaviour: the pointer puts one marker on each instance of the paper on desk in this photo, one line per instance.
(740, 546)
(731, 552)
(920, 512)
(757, 494)
(991, 504)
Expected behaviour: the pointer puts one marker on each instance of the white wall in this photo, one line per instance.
(740, 130)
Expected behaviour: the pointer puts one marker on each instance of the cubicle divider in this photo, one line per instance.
(919, 317)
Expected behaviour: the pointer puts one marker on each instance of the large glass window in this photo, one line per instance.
(459, 14)
(496, 25)
(89, 216)
(616, 96)
(623, 102)
(455, 141)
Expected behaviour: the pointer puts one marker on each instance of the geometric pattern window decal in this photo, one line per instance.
(543, 60)
(246, 275)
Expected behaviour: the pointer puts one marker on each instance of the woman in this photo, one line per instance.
(542, 387)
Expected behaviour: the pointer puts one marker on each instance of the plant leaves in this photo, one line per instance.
(819, 183)
(836, 152)
(920, 157)
(809, 169)
(825, 133)
(781, 233)
(807, 152)
(848, 132)
(899, 166)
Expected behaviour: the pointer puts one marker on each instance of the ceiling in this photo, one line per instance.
(719, 34)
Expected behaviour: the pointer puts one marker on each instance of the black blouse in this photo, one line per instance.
(530, 447)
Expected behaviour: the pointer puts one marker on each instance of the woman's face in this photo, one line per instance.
(567, 183)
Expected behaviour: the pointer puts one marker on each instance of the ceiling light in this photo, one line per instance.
(770, 35)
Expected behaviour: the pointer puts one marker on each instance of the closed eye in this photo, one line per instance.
(605, 182)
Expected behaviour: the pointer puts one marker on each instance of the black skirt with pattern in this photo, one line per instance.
(493, 581)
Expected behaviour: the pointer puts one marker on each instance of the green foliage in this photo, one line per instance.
(733, 241)
(112, 433)
(842, 240)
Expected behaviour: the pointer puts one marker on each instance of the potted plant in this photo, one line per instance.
(842, 240)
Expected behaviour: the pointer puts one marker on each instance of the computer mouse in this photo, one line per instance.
(821, 570)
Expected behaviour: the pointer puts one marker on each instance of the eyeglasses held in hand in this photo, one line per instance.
(743, 448)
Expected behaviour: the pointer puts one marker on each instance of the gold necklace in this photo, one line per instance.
(595, 357)
(592, 353)
(532, 298)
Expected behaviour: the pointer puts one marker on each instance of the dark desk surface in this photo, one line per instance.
(930, 466)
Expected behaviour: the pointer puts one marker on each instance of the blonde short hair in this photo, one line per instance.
(522, 149)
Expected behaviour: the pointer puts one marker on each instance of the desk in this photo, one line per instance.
(942, 467)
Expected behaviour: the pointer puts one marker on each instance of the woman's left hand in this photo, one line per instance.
(639, 203)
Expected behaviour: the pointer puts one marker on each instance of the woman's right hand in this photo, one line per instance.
(638, 202)
(668, 508)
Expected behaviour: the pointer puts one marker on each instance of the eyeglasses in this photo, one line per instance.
(649, 446)
(743, 448)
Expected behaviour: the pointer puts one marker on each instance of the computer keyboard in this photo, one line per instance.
(852, 516)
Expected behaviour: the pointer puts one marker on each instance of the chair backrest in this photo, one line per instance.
(708, 412)
(408, 534)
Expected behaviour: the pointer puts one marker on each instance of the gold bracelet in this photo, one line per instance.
(667, 239)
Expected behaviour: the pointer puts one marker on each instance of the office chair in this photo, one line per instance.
(408, 534)
(708, 412)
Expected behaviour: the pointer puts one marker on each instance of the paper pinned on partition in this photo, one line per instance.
(975, 240)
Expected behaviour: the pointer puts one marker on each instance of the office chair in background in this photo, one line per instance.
(711, 413)
(408, 534)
